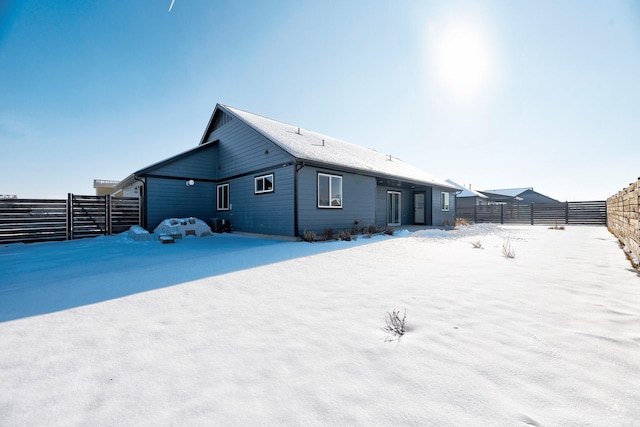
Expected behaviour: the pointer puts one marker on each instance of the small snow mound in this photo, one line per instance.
(477, 229)
(183, 227)
(139, 234)
(436, 232)
(402, 233)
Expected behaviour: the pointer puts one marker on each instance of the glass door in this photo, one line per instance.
(394, 207)
(419, 208)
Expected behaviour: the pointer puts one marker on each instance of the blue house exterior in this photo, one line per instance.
(268, 177)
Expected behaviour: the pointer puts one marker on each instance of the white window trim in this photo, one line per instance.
(262, 177)
(318, 191)
(219, 200)
(445, 201)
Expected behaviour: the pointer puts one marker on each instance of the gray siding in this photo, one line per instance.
(441, 217)
(171, 198)
(467, 202)
(197, 165)
(243, 154)
(268, 213)
(242, 149)
(358, 193)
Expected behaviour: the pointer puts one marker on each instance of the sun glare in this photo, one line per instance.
(461, 59)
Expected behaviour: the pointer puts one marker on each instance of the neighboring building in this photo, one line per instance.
(104, 187)
(467, 197)
(520, 195)
(268, 177)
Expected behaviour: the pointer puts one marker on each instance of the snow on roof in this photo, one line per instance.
(510, 192)
(466, 192)
(312, 146)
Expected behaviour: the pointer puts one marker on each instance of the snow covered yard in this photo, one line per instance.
(237, 331)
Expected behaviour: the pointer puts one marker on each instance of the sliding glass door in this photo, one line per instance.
(394, 207)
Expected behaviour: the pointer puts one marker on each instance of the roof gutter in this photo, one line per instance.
(143, 201)
(298, 166)
(373, 174)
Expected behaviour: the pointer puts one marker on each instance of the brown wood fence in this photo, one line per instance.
(624, 217)
(591, 213)
(77, 217)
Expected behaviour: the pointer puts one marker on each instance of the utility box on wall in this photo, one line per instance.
(221, 225)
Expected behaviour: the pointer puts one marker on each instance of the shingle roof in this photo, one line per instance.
(316, 147)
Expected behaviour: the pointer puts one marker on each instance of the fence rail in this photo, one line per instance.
(38, 220)
(624, 217)
(592, 213)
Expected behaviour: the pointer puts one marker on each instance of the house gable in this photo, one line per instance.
(220, 119)
(217, 120)
(241, 148)
(193, 164)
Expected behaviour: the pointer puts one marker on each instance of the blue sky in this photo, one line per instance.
(498, 94)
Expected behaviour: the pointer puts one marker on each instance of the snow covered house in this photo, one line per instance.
(268, 177)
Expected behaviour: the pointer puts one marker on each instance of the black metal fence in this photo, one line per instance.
(77, 217)
(589, 213)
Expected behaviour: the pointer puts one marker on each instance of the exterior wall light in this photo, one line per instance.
(191, 183)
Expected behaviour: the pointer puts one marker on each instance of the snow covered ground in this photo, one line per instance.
(231, 330)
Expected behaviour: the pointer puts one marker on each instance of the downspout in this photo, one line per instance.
(455, 200)
(143, 202)
(299, 166)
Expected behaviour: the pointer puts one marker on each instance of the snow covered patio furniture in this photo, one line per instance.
(177, 228)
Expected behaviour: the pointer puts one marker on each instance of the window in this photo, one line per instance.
(329, 191)
(223, 197)
(444, 198)
(264, 184)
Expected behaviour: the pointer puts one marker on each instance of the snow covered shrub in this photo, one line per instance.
(354, 227)
(309, 236)
(461, 222)
(387, 231)
(507, 250)
(328, 234)
(345, 235)
(370, 231)
(395, 325)
(477, 244)
(557, 227)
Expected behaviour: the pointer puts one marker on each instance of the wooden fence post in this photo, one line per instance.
(502, 214)
(69, 216)
(532, 213)
(566, 212)
(107, 215)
